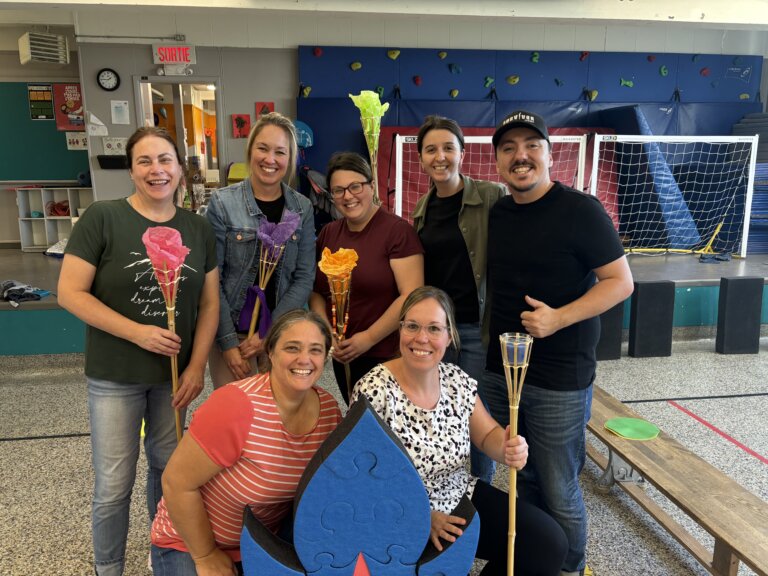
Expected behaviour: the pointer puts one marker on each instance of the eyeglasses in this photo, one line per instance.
(355, 188)
(433, 331)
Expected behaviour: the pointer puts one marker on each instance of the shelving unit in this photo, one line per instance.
(39, 232)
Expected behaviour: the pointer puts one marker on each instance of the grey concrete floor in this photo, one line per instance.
(46, 477)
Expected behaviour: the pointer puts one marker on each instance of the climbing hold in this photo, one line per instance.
(705, 71)
(380, 91)
(454, 93)
(738, 60)
(627, 83)
(583, 56)
(559, 82)
(488, 81)
(535, 57)
(651, 58)
(393, 54)
(355, 66)
(695, 57)
(417, 80)
(442, 55)
(317, 51)
(454, 68)
(744, 96)
(592, 95)
(512, 80)
(305, 91)
(663, 70)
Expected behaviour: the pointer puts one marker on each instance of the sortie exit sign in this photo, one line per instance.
(173, 54)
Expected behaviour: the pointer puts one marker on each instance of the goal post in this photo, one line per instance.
(668, 194)
(568, 155)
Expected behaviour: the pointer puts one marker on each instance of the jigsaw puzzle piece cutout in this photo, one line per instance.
(363, 495)
(456, 557)
(264, 553)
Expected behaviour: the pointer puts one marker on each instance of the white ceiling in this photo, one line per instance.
(732, 14)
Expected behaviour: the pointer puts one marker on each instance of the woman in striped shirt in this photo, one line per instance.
(247, 445)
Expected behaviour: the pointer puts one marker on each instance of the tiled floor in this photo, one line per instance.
(46, 478)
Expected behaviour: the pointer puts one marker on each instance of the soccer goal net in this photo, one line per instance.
(568, 155)
(676, 193)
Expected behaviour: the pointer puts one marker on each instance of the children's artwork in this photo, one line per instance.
(241, 125)
(264, 108)
(68, 107)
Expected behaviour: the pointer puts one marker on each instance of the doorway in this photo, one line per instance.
(189, 111)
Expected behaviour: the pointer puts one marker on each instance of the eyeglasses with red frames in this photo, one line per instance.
(355, 188)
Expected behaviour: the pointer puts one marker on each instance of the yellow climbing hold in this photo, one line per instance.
(454, 93)
(512, 80)
(393, 54)
(355, 66)
(442, 55)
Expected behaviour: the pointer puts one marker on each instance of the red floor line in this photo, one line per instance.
(717, 430)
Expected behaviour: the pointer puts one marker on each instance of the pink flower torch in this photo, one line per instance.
(166, 254)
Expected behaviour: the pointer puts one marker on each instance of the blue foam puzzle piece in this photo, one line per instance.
(359, 499)
(365, 496)
(264, 553)
(458, 556)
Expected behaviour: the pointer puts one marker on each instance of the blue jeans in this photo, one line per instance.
(471, 359)
(116, 410)
(553, 423)
(170, 562)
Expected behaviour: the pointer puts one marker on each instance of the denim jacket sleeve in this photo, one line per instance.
(296, 284)
(226, 335)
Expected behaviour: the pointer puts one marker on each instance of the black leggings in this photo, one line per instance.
(540, 543)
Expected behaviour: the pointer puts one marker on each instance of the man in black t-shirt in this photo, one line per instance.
(555, 262)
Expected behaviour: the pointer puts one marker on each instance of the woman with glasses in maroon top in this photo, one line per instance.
(390, 265)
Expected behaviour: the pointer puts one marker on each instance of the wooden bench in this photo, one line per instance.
(736, 518)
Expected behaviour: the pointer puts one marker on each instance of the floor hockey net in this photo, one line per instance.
(670, 194)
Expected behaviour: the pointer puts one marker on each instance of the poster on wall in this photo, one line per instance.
(241, 125)
(40, 101)
(77, 141)
(264, 108)
(68, 107)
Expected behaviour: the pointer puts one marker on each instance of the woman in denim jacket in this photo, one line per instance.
(236, 213)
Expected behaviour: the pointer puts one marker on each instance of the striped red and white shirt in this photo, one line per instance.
(240, 429)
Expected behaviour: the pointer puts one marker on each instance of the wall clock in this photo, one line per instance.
(108, 79)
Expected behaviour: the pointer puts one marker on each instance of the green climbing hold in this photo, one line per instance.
(380, 91)
(488, 81)
(663, 70)
(535, 57)
(627, 83)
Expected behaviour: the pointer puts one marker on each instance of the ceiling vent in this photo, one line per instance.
(42, 47)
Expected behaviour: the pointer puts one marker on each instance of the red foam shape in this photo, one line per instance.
(361, 568)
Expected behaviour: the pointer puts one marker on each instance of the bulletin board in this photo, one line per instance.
(34, 149)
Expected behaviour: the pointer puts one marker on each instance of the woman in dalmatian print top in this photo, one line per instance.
(433, 409)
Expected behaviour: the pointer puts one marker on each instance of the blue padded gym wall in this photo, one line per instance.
(688, 94)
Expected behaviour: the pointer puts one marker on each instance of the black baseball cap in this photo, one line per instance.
(521, 119)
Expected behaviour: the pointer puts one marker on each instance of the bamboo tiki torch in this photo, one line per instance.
(515, 353)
